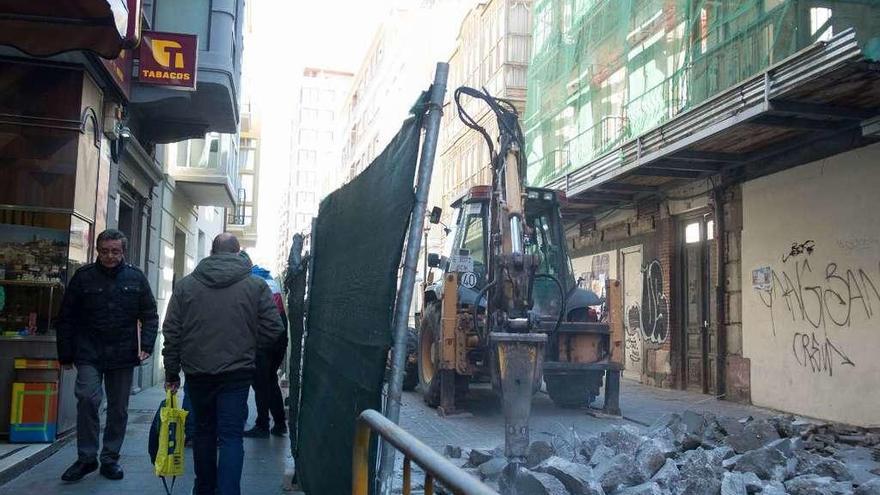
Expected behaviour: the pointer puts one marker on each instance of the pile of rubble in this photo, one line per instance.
(689, 454)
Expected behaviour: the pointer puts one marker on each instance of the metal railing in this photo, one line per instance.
(436, 466)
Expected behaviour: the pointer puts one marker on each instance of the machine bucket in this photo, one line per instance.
(519, 361)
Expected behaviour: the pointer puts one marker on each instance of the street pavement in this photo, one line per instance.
(482, 426)
(266, 460)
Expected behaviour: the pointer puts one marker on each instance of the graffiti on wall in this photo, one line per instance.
(820, 298)
(653, 311)
(632, 340)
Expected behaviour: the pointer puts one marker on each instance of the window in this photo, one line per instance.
(309, 95)
(247, 158)
(308, 115)
(305, 199)
(307, 157)
(191, 17)
(692, 232)
(305, 179)
(325, 139)
(308, 137)
(247, 183)
(472, 240)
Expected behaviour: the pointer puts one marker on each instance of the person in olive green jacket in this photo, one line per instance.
(218, 318)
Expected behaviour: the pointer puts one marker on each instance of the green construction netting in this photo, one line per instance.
(356, 250)
(603, 72)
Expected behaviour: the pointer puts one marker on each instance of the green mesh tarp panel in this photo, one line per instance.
(357, 243)
(603, 72)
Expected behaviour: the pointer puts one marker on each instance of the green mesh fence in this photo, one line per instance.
(605, 71)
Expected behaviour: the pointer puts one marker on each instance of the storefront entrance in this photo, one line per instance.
(700, 343)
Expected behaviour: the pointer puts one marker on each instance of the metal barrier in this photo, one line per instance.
(436, 466)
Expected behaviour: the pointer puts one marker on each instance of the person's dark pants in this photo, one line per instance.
(267, 392)
(221, 411)
(91, 383)
(189, 428)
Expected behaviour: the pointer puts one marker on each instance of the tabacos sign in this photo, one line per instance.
(169, 59)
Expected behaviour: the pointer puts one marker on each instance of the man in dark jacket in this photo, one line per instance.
(98, 331)
(217, 320)
(267, 392)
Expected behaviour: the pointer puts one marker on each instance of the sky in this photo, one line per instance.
(287, 36)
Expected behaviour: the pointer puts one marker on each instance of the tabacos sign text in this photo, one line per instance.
(169, 59)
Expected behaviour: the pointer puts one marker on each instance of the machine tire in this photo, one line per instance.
(571, 391)
(428, 361)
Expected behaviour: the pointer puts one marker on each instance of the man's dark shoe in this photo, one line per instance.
(257, 432)
(279, 430)
(79, 470)
(112, 471)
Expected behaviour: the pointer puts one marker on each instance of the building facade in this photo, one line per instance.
(89, 143)
(717, 164)
(242, 220)
(314, 152)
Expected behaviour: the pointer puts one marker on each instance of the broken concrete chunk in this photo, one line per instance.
(618, 471)
(480, 456)
(601, 454)
(539, 451)
(730, 426)
(520, 481)
(668, 475)
(452, 452)
(622, 439)
(870, 488)
(577, 478)
(809, 463)
(729, 463)
(698, 474)
(810, 484)
(767, 464)
(491, 469)
(588, 446)
(774, 488)
(650, 457)
(733, 484)
(720, 454)
(694, 423)
(648, 488)
(755, 435)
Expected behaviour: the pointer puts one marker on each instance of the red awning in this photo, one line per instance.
(47, 27)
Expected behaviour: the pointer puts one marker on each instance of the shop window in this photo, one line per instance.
(37, 256)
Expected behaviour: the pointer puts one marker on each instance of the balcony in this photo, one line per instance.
(171, 115)
(206, 170)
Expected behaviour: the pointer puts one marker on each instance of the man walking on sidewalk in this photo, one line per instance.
(267, 392)
(218, 318)
(98, 332)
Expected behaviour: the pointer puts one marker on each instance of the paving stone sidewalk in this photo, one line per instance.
(265, 462)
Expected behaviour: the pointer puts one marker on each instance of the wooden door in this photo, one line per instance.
(701, 336)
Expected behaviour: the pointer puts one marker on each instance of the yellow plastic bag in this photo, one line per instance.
(170, 455)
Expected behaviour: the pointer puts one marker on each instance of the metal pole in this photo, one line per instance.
(411, 259)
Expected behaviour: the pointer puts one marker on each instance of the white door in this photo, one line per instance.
(634, 353)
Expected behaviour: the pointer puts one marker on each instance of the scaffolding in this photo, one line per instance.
(603, 72)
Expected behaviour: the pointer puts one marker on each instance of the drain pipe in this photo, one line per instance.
(720, 292)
